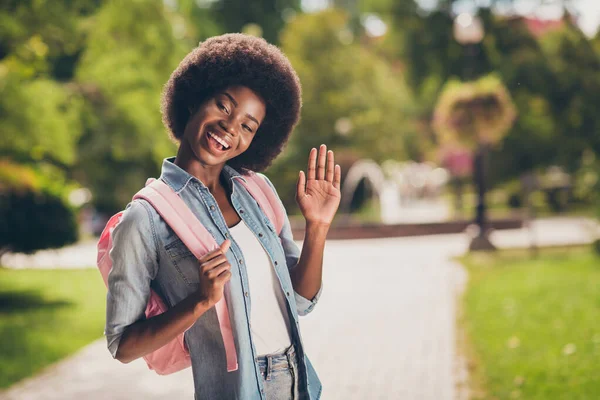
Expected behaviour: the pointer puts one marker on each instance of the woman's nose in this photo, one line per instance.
(226, 126)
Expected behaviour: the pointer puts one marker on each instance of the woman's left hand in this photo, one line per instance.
(319, 196)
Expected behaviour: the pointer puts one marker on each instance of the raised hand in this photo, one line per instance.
(319, 196)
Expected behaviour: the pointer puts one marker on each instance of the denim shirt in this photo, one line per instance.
(146, 254)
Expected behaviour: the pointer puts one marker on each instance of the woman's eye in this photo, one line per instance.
(246, 127)
(222, 107)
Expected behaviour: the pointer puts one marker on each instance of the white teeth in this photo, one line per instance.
(218, 139)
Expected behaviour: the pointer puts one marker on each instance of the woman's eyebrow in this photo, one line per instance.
(236, 104)
(231, 98)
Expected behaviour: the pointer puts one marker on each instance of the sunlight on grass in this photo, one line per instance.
(533, 324)
(46, 315)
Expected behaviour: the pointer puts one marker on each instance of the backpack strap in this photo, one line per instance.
(197, 239)
(266, 198)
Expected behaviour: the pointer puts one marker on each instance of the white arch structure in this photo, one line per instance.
(367, 169)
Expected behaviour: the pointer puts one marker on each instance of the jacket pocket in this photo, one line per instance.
(184, 261)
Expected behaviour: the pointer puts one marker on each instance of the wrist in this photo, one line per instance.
(200, 305)
(317, 226)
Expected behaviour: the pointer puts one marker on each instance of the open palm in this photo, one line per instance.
(318, 195)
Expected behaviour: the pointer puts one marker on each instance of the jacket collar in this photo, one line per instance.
(177, 178)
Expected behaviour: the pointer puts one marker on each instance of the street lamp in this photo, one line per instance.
(468, 31)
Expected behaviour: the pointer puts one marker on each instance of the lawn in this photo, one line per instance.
(46, 315)
(533, 324)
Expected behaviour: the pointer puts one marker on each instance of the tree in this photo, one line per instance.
(40, 42)
(40, 120)
(264, 18)
(352, 99)
(476, 114)
(575, 92)
(129, 55)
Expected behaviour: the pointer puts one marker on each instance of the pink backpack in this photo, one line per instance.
(174, 356)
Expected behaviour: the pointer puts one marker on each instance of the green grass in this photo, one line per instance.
(46, 315)
(533, 324)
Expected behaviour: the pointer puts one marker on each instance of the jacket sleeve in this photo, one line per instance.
(134, 256)
(292, 255)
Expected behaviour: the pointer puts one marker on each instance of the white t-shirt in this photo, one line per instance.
(270, 323)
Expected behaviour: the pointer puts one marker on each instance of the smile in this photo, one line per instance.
(216, 142)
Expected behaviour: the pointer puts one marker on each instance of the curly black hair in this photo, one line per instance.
(237, 59)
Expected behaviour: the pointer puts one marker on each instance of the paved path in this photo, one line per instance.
(384, 328)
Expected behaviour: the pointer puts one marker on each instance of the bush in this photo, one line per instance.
(35, 221)
(34, 211)
(596, 245)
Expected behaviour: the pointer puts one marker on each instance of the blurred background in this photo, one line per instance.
(445, 116)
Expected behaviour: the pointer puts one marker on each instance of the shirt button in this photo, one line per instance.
(288, 293)
(241, 261)
(275, 262)
(246, 294)
(241, 211)
(226, 234)
(212, 207)
(260, 235)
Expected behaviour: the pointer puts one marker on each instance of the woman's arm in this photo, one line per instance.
(318, 196)
(134, 260)
(148, 335)
(307, 274)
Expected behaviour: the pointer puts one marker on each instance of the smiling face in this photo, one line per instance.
(224, 125)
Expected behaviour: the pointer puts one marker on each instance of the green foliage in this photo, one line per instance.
(518, 58)
(34, 210)
(596, 246)
(474, 112)
(121, 74)
(533, 324)
(80, 83)
(344, 83)
(43, 37)
(575, 92)
(46, 315)
(269, 15)
(34, 221)
(40, 120)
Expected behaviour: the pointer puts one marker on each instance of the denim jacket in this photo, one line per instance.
(147, 254)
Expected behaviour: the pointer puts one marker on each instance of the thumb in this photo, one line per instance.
(225, 245)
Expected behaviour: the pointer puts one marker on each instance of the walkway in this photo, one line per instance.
(384, 328)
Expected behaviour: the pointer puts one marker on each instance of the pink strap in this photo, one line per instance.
(266, 198)
(197, 239)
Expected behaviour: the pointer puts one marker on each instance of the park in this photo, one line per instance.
(463, 261)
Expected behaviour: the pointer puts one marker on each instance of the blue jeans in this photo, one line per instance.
(280, 375)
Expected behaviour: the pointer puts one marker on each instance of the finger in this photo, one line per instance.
(312, 163)
(337, 177)
(222, 249)
(330, 164)
(321, 162)
(208, 265)
(301, 186)
(223, 278)
(218, 270)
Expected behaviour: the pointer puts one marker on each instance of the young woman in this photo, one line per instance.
(231, 105)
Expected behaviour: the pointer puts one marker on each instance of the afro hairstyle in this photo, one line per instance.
(237, 59)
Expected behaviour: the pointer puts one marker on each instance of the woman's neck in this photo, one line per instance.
(207, 174)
